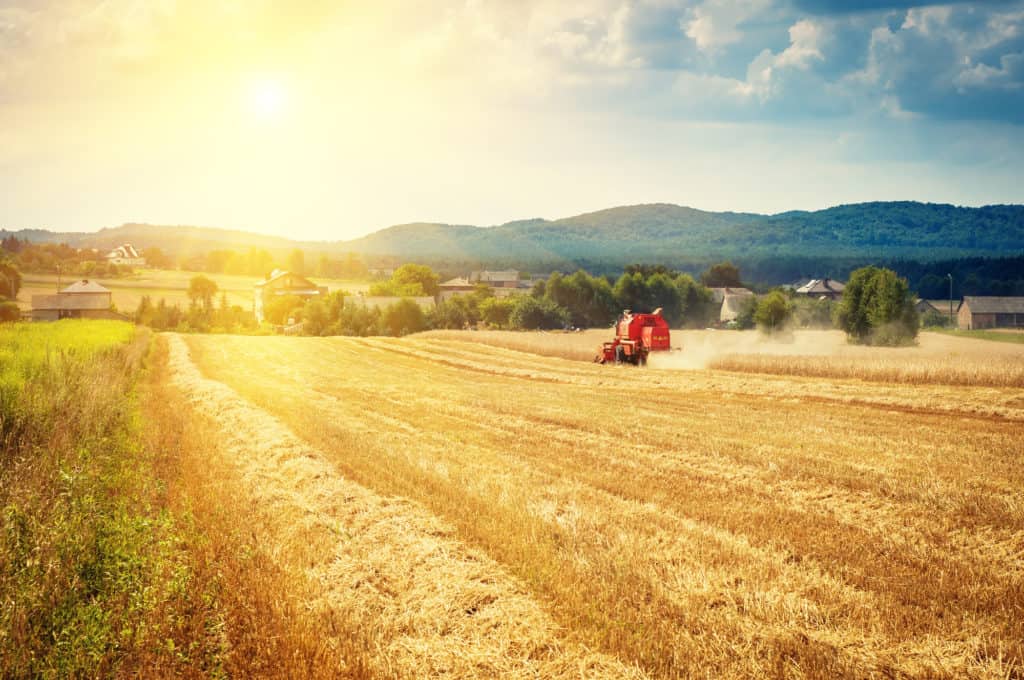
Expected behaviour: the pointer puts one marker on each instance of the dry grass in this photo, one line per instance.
(698, 523)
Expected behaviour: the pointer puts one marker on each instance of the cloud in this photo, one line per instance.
(716, 23)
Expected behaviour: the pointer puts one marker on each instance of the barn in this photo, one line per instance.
(977, 312)
(83, 299)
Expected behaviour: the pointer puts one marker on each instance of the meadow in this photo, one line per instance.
(470, 510)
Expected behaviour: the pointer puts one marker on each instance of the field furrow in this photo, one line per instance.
(429, 605)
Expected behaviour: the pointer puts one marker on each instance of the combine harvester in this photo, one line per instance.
(636, 336)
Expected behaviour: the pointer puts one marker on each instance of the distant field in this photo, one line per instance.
(500, 513)
(171, 285)
(937, 358)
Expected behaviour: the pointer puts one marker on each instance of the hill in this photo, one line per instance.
(651, 232)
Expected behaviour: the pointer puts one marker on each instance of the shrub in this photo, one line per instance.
(531, 313)
(773, 311)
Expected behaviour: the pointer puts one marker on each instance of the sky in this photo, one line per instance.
(328, 120)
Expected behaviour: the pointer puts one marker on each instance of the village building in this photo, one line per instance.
(946, 307)
(125, 255)
(83, 299)
(452, 287)
(282, 284)
(731, 301)
(501, 283)
(822, 289)
(978, 312)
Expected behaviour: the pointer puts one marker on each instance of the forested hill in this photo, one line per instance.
(647, 232)
(653, 232)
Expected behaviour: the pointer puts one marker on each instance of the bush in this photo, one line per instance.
(773, 311)
(530, 313)
(9, 311)
(877, 308)
(402, 318)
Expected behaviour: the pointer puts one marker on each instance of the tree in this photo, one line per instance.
(315, 317)
(9, 311)
(496, 311)
(10, 279)
(403, 317)
(279, 309)
(156, 258)
(772, 312)
(877, 308)
(412, 274)
(531, 313)
(202, 289)
(722, 275)
(296, 262)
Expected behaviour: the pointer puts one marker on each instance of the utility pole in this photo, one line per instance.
(950, 275)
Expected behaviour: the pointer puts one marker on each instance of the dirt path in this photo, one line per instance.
(436, 607)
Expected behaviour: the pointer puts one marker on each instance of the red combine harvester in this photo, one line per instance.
(636, 336)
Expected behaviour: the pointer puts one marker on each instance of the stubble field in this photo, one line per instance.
(473, 510)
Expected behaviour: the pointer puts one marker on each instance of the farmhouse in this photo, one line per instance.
(731, 301)
(457, 286)
(126, 255)
(81, 300)
(976, 312)
(281, 284)
(822, 289)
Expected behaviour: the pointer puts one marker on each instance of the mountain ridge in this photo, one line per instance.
(622, 234)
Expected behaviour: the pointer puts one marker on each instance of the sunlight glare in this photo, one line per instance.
(266, 99)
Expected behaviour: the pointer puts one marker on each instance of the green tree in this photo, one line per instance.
(9, 311)
(496, 311)
(877, 308)
(315, 317)
(279, 309)
(10, 279)
(773, 312)
(201, 289)
(532, 313)
(722, 275)
(296, 262)
(412, 274)
(403, 317)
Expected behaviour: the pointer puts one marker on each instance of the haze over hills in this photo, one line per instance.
(651, 232)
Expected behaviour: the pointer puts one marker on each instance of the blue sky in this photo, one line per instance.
(329, 120)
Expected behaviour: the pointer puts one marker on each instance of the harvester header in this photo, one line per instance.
(636, 336)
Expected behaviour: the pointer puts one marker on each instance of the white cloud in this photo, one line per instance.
(716, 23)
(805, 38)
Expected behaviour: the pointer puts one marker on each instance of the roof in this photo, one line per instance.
(70, 301)
(488, 276)
(732, 305)
(85, 286)
(719, 294)
(457, 282)
(821, 287)
(299, 281)
(126, 251)
(943, 305)
(978, 304)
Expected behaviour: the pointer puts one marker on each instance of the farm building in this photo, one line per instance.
(456, 286)
(81, 300)
(502, 283)
(731, 301)
(822, 289)
(126, 255)
(977, 312)
(281, 284)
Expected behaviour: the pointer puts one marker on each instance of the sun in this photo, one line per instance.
(266, 99)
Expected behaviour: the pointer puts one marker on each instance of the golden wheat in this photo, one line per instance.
(692, 522)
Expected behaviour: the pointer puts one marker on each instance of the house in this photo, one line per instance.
(822, 289)
(944, 307)
(923, 307)
(731, 300)
(83, 299)
(499, 279)
(281, 284)
(502, 284)
(126, 255)
(977, 312)
(457, 286)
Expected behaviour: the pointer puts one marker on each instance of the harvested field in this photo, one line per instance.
(501, 512)
(938, 358)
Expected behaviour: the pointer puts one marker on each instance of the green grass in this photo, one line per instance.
(997, 336)
(94, 579)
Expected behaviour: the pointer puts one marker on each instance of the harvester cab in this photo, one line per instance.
(636, 336)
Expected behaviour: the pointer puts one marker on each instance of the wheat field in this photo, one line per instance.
(489, 512)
